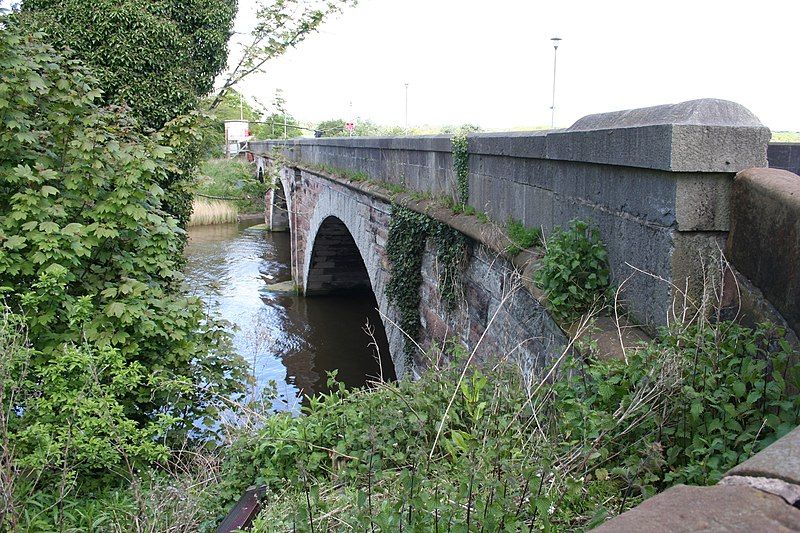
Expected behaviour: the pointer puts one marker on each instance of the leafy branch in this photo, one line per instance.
(282, 24)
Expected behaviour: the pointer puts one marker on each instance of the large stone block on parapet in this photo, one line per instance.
(698, 136)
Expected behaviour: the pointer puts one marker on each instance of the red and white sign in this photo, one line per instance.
(350, 126)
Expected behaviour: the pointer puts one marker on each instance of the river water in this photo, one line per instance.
(289, 339)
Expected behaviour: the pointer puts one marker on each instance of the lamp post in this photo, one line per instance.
(406, 108)
(556, 41)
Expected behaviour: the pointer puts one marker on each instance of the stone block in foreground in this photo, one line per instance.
(781, 460)
(712, 509)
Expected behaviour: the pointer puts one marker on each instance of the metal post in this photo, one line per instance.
(406, 108)
(556, 41)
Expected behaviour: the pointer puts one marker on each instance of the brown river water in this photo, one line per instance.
(289, 339)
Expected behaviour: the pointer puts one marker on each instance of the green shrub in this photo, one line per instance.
(83, 224)
(560, 454)
(574, 271)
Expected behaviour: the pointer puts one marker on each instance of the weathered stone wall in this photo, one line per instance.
(324, 215)
(656, 182)
(785, 156)
(764, 241)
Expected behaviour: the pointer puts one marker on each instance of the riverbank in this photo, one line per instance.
(209, 211)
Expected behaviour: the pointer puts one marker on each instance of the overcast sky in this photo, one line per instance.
(491, 62)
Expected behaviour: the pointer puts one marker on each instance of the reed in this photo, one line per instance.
(206, 211)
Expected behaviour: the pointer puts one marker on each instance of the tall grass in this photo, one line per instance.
(206, 211)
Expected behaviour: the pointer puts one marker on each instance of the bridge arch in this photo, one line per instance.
(335, 264)
(279, 210)
(341, 255)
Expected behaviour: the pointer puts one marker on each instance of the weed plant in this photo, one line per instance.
(513, 454)
(574, 271)
(521, 237)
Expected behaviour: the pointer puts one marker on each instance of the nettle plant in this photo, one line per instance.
(574, 271)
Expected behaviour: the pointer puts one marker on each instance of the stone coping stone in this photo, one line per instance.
(702, 112)
(780, 460)
(707, 135)
(713, 509)
(764, 240)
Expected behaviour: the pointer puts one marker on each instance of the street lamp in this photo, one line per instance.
(406, 108)
(556, 41)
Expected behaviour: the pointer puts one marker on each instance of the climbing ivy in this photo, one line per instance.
(405, 247)
(451, 258)
(461, 167)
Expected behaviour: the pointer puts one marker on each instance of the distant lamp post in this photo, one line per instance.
(556, 41)
(406, 108)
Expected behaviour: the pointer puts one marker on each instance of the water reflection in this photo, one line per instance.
(286, 338)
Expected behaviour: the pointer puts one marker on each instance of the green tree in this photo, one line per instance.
(281, 25)
(276, 125)
(83, 225)
(362, 128)
(156, 57)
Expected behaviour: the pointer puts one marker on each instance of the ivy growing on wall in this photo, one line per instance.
(451, 258)
(405, 247)
(461, 167)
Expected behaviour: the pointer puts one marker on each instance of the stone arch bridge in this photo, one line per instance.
(657, 182)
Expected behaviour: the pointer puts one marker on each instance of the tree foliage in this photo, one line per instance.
(155, 56)
(280, 25)
(84, 233)
(362, 128)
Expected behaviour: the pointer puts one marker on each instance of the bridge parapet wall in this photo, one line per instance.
(656, 181)
(764, 243)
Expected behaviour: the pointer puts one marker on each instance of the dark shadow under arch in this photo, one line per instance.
(279, 208)
(337, 268)
(336, 265)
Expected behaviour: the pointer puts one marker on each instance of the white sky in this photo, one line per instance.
(491, 62)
